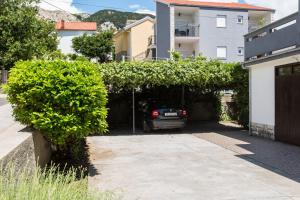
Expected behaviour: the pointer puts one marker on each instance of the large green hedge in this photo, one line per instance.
(204, 74)
(67, 100)
(240, 84)
(64, 100)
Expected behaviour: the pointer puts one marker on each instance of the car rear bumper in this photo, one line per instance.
(167, 124)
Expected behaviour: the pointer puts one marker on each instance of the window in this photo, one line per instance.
(297, 69)
(221, 21)
(284, 71)
(241, 51)
(288, 70)
(240, 19)
(222, 52)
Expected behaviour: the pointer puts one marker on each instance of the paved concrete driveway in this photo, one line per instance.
(3, 100)
(182, 166)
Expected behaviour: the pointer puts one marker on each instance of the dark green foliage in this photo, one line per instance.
(22, 35)
(66, 101)
(97, 46)
(118, 18)
(241, 97)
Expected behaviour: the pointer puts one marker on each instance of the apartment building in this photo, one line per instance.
(212, 29)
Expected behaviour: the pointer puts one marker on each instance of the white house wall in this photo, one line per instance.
(262, 95)
(65, 40)
(172, 28)
(231, 37)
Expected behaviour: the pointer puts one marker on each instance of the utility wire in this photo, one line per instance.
(83, 4)
(93, 5)
(122, 9)
(55, 6)
(116, 8)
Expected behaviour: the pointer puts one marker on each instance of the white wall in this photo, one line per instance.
(263, 94)
(65, 40)
(232, 36)
(186, 49)
(262, 90)
(172, 28)
(183, 19)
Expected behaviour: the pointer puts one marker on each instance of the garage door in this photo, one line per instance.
(287, 123)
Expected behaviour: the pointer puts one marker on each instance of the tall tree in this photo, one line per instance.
(23, 35)
(97, 46)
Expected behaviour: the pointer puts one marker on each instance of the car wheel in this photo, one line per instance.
(146, 127)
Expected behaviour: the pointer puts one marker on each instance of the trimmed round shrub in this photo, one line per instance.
(65, 101)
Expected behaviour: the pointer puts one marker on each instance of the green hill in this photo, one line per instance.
(118, 18)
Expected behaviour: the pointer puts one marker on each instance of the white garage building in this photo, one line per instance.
(272, 55)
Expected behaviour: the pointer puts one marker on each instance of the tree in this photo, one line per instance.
(97, 46)
(23, 35)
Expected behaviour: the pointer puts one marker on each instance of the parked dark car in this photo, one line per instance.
(159, 115)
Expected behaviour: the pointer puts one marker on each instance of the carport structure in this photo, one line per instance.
(205, 75)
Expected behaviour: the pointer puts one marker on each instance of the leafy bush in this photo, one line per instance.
(64, 100)
(241, 97)
(208, 75)
(47, 184)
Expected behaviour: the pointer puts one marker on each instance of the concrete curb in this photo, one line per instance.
(21, 146)
(25, 149)
(3, 95)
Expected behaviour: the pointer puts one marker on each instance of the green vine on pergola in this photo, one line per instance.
(199, 73)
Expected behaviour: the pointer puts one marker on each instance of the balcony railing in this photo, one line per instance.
(187, 54)
(273, 38)
(187, 31)
(152, 40)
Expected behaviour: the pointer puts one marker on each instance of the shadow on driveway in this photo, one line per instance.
(281, 158)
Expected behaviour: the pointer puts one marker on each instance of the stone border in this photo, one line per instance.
(263, 130)
(31, 152)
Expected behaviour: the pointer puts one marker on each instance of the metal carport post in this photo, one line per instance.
(133, 111)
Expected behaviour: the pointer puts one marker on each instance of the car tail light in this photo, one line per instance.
(184, 113)
(154, 114)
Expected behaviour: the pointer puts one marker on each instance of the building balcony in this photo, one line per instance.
(187, 30)
(152, 41)
(187, 53)
(276, 38)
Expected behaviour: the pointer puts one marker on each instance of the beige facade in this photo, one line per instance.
(133, 41)
(121, 44)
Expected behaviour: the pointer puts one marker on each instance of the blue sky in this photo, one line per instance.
(283, 8)
(130, 5)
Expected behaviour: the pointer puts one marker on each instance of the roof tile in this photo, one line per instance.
(80, 26)
(232, 5)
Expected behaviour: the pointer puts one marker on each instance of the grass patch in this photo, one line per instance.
(51, 184)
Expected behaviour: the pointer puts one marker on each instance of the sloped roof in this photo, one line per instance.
(233, 5)
(138, 22)
(78, 26)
